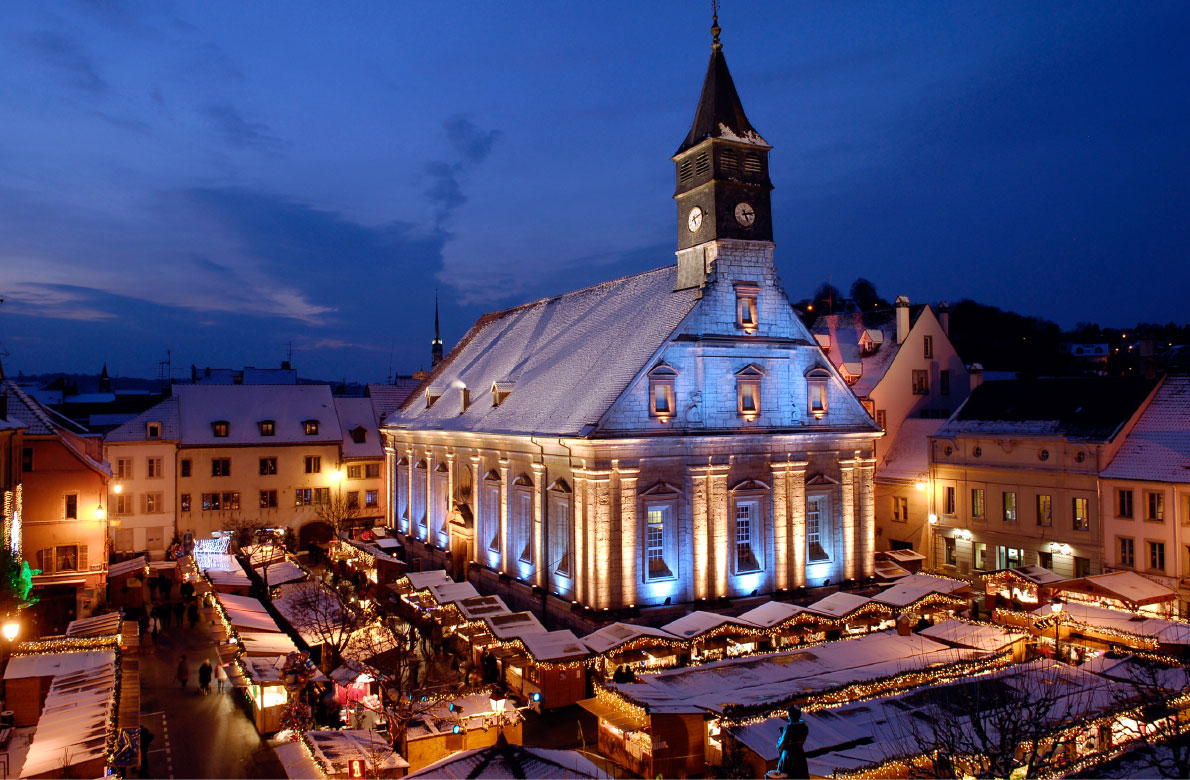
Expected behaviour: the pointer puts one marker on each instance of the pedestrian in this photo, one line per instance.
(187, 590)
(153, 632)
(146, 739)
(204, 677)
(179, 608)
(192, 614)
(183, 674)
(221, 676)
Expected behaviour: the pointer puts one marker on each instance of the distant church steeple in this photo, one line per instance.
(722, 171)
(436, 344)
(105, 382)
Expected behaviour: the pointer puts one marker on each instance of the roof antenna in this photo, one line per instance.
(715, 25)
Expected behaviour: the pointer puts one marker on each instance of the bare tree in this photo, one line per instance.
(1017, 720)
(338, 512)
(1153, 690)
(322, 616)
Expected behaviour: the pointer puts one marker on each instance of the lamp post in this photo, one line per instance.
(1056, 608)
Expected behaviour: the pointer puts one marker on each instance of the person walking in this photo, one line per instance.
(192, 614)
(153, 631)
(183, 673)
(179, 608)
(204, 677)
(146, 739)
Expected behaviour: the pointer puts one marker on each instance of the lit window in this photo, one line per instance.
(817, 380)
(662, 397)
(1154, 505)
(311, 427)
(747, 311)
(267, 427)
(221, 428)
(1045, 510)
(184, 502)
(268, 467)
(371, 498)
(1157, 556)
(67, 558)
(951, 551)
(747, 383)
(747, 528)
(122, 504)
(1127, 555)
(313, 464)
(977, 506)
(268, 499)
(355, 472)
(656, 520)
(303, 497)
(1082, 521)
(1010, 507)
(900, 509)
(818, 529)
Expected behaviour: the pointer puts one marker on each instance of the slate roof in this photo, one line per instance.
(165, 413)
(720, 113)
(908, 455)
(569, 357)
(388, 398)
(39, 420)
(243, 406)
(1158, 447)
(845, 331)
(355, 413)
(1089, 409)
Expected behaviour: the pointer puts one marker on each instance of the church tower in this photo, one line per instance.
(722, 173)
(436, 344)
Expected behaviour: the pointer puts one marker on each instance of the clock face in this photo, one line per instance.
(694, 222)
(745, 214)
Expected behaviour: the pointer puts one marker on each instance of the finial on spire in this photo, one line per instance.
(715, 25)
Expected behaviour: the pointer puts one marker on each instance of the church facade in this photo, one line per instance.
(671, 437)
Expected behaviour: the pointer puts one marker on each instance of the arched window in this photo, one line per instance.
(561, 546)
(662, 395)
(817, 402)
(489, 511)
(418, 499)
(522, 518)
(402, 493)
(747, 383)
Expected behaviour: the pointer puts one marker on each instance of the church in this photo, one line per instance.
(676, 437)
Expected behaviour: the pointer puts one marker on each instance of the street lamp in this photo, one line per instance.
(1056, 608)
(11, 629)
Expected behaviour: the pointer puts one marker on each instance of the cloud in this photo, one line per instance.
(472, 146)
(68, 57)
(240, 132)
(57, 301)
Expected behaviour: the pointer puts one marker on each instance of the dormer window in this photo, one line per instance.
(817, 382)
(153, 430)
(500, 391)
(852, 372)
(662, 397)
(220, 428)
(359, 434)
(747, 384)
(267, 427)
(870, 341)
(432, 395)
(747, 312)
(311, 427)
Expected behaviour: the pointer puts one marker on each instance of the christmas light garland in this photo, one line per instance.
(67, 644)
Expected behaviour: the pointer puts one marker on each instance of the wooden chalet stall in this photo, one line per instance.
(1017, 589)
(1122, 590)
(964, 634)
(376, 560)
(908, 560)
(1095, 629)
(637, 648)
(344, 754)
(785, 625)
(712, 637)
(556, 672)
(847, 614)
(460, 723)
(471, 636)
(927, 596)
(124, 583)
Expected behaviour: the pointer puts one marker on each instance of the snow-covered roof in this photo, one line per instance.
(1038, 574)
(479, 606)
(1127, 586)
(1169, 632)
(388, 398)
(50, 664)
(511, 761)
(243, 407)
(571, 357)
(911, 589)
(1157, 448)
(242, 603)
(337, 749)
(777, 678)
(977, 636)
(296, 761)
(311, 610)
(73, 727)
(845, 332)
(448, 592)
(130, 566)
(901, 556)
(555, 646)
(357, 413)
(236, 576)
(243, 619)
(39, 420)
(420, 580)
(97, 625)
(514, 625)
(278, 573)
(771, 613)
(908, 453)
(617, 634)
(266, 643)
(838, 604)
(700, 622)
(136, 429)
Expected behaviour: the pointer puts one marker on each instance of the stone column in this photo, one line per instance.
(780, 525)
(580, 535)
(540, 564)
(629, 538)
(478, 548)
(599, 509)
(847, 502)
(409, 467)
(449, 499)
(797, 522)
(721, 527)
(505, 497)
(697, 486)
(867, 515)
(390, 484)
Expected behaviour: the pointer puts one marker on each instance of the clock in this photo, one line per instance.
(694, 222)
(745, 214)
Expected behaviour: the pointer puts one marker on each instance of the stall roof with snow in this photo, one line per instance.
(608, 638)
(909, 590)
(420, 580)
(511, 761)
(1166, 632)
(699, 622)
(450, 592)
(336, 749)
(555, 646)
(1125, 586)
(513, 625)
(771, 614)
(477, 607)
(838, 605)
(976, 636)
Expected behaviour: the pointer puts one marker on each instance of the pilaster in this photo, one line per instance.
(867, 515)
(580, 536)
(505, 497)
(409, 502)
(797, 522)
(780, 515)
(847, 503)
(477, 540)
(697, 486)
(720, 527)
(390, 485)
(630, 551)
(540, 564)
(444, 531)
(599, 487)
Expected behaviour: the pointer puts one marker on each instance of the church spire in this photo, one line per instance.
(436, 344)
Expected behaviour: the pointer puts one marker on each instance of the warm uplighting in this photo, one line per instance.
(11, 629)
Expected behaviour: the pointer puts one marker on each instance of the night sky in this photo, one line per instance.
(225, 180)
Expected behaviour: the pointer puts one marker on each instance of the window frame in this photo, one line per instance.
(1048, 514)
(268, 466)
(900, 509)
(1009, 514)
(818, 392)
(927, 346)
(313, 464)
(220, 429)
(752, 495)
(1125, 496)
(920, 381)
(1126, 557)
(559, 505)
(1084, 516)
(267, 427)
(664, 499)
(1156, 548)
(1154, 506)
(979, 503)
(220, 467)
(489, 509)
(748, 385)
(268, 499)
(70, 505)
(822, 533)
(950, 500)
(310, 427)
(184, 467)
(154, 467)
(663, 380)
(747, 306)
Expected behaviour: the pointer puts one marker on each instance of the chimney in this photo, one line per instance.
(902, 304)
(975, 371)
(464, 399)
(944, 317)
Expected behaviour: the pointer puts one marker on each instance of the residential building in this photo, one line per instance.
(63, 519)
(143, 493)
(11, 494)
(902, 366)
(1015, 473)
(362, 462)
(1146, 492)
(670, 437)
